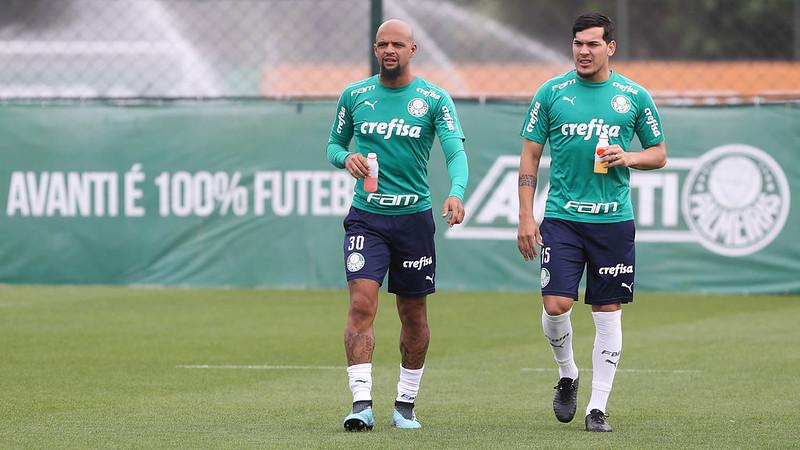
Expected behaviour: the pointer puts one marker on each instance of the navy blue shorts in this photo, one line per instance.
(605, 250)
(401, 244)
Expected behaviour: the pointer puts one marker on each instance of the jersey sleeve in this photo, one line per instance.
(457, 167)
(536, 126)
(446, 120)
(341, 132)
(648, 122)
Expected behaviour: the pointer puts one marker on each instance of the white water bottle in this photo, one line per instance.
(371, 181)
(601, 166)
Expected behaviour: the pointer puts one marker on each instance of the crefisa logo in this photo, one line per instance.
(736, 200)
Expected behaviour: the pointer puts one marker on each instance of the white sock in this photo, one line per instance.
(408, 386)
(558, 331)
(605, 356)
(360, 381)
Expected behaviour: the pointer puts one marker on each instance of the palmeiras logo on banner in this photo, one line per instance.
(734, 200)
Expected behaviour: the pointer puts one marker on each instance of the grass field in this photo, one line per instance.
(104, 368)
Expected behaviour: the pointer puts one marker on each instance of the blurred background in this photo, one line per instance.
(182, 142)
(708, 52)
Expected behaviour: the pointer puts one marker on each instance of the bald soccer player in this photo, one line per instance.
(395, 115)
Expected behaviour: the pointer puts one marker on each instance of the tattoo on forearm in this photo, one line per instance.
(527, 180)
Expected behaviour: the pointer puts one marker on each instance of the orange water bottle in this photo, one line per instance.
(601, 166)
(371, 181)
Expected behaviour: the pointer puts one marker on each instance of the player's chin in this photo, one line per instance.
(390, 70)
(586, 72)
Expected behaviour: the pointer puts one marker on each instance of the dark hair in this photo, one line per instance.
(592, 20)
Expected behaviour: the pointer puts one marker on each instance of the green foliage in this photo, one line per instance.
(98, 368)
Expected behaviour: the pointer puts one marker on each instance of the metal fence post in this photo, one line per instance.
(375, 19)
(796, 28)
(623, 30)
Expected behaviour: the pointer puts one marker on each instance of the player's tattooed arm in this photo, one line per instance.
(527, 180)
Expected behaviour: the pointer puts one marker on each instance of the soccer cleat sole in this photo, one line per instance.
(355, 425)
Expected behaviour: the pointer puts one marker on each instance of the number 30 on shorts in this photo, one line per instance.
(355, 243)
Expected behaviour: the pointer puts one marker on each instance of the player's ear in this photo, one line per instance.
(612, 47)
(413, 49)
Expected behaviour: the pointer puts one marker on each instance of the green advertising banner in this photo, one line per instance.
(241, 195)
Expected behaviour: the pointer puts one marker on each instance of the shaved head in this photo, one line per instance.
(396, 27)
(394, 47)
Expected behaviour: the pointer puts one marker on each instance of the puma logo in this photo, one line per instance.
(370, 104)
(629, 287)
(555, 342)
(429, 278)
(611, 362)
(570, 100)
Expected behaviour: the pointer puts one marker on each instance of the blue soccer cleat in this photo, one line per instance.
(359, 421)
(403, 423)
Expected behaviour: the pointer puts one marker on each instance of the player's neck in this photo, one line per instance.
(599, 77)
(401, 80)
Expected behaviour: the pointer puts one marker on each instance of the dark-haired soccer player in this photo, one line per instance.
(395, 115)
(588, 219)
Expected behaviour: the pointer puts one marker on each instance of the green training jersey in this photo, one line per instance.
(571, 113)
(399, 125)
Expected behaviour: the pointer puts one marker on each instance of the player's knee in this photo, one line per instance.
(362, 308)
(415, 318)
(556, 306)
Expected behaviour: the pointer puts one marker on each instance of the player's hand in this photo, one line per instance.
(453, 211)
(528, 236)
(615, 156)
(357, 165)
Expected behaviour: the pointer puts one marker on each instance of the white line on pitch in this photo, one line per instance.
(544, 369)
(260, 367)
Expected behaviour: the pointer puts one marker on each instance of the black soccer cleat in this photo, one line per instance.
(597, 421)
(565, 401)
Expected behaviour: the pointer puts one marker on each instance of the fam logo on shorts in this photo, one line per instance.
(621, 104)
(417, 107)
(545, 277)
(736, 200)
(355, 262)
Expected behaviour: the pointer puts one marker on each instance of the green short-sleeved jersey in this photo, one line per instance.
(399, 125)
(571, 113)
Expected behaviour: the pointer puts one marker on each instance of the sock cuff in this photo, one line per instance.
(603, 316)
(607, 322)
(557, 318)
(411, 371)
(359, 367)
